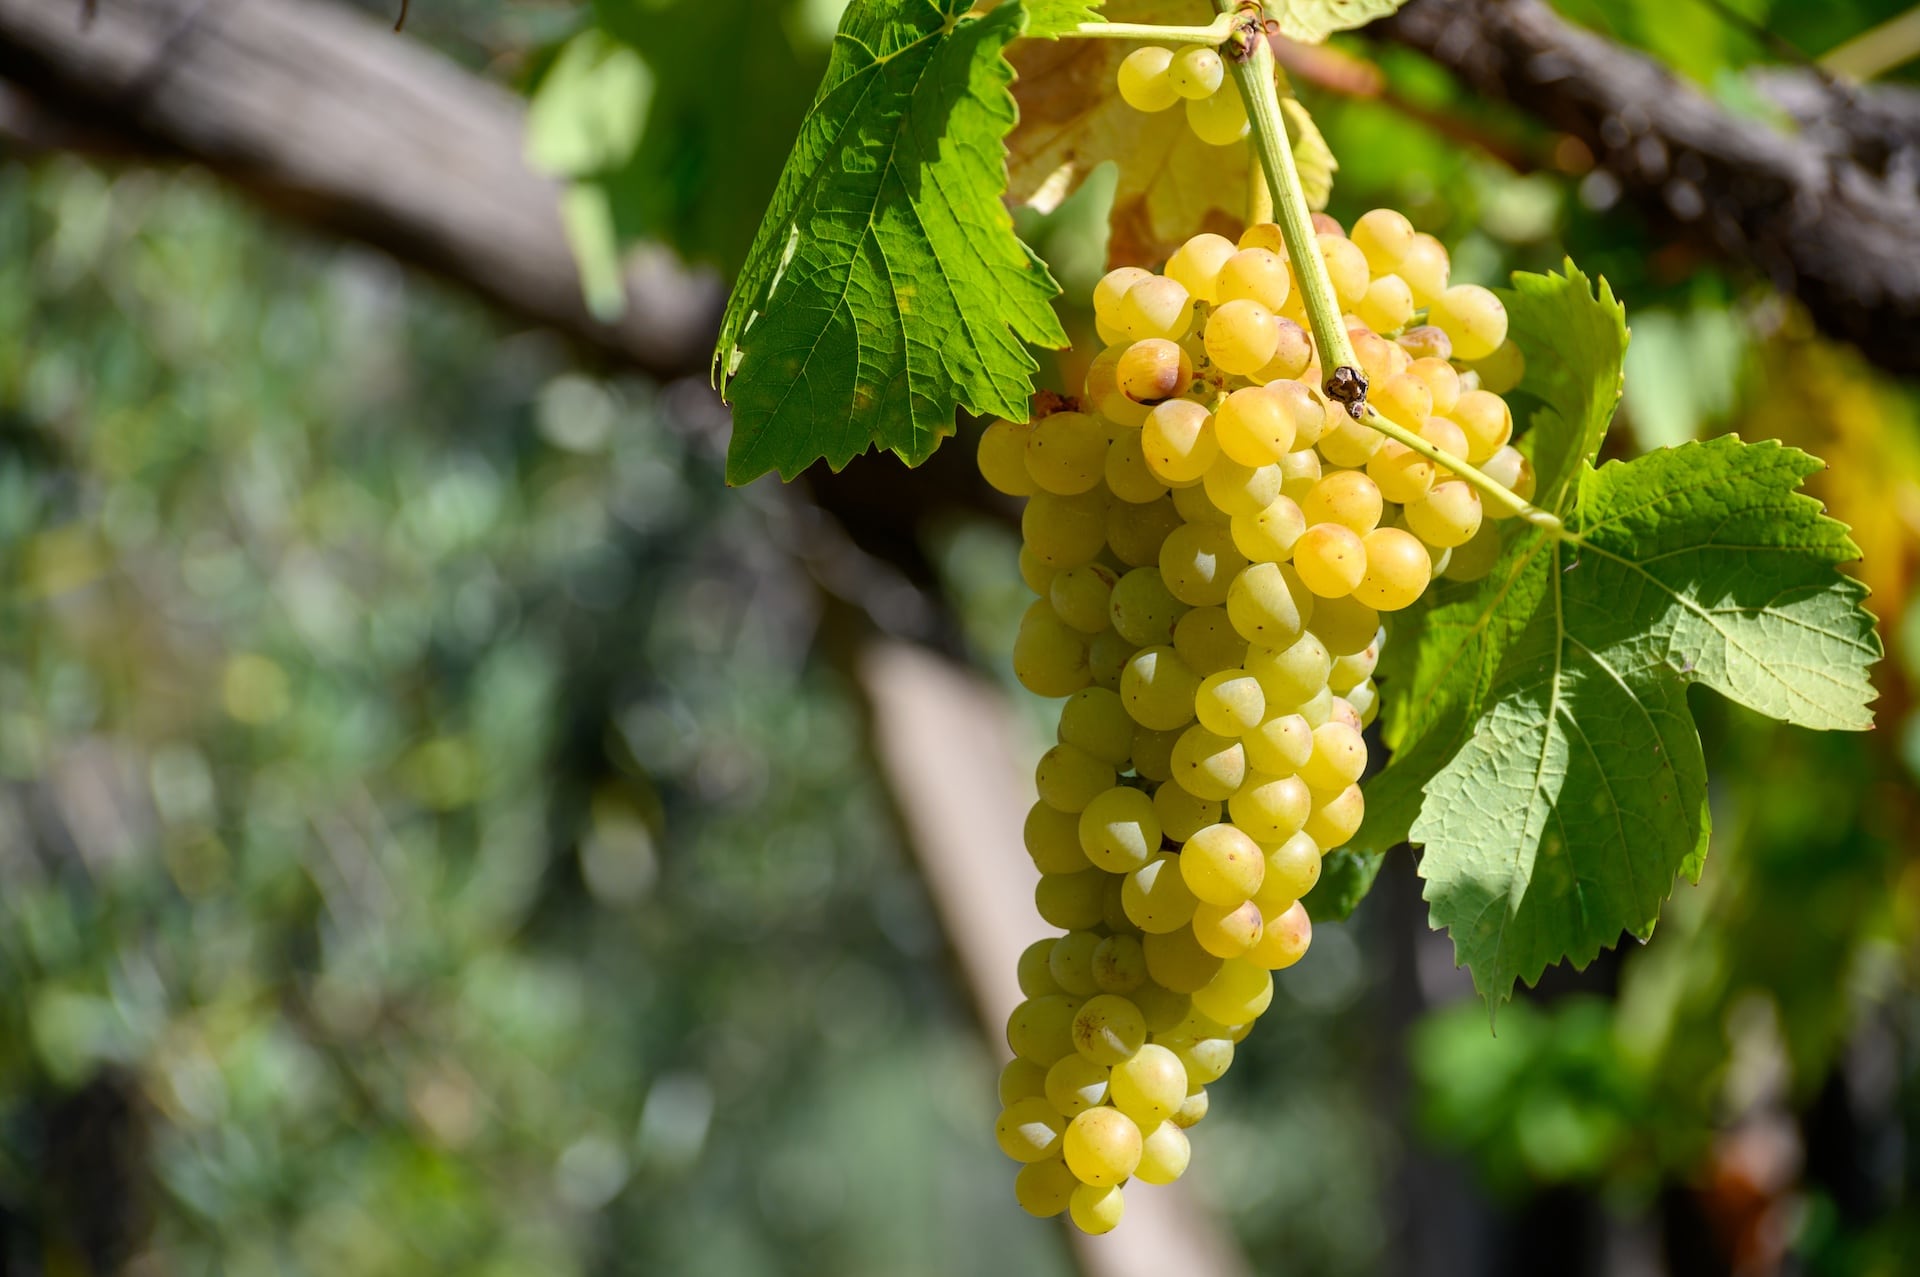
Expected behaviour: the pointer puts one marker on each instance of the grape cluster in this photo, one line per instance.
(1213, 542)
(1156, 79)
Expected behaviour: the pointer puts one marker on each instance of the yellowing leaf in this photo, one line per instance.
(1172, 185)
(1311, 21)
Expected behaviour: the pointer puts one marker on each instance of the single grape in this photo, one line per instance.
(1145, 84)
(1003, 458)
(1402, 475)
(1197, 71)
(1037, 575)
(1107, 656)
(1071, 902)
(1150, 1086)
(1182, 813)
(1207, 642)
(1334, 821)
(1227, 932)
(1270, 604)
(1141, 608)
(1206, 1060)
(1041, 1029)
(1221, 865)
(1158, 689)
(1157, 899)
(1044, 1189)
(1196, 507)
(1350, 443)
(1052, 838)
(1473, 318)
(1425, 342)
(1265, 235)
(1160, 1006)
(1279, 745)
(1025, 1080)
(1230, 703)
(1220, 120)
(1386, 305)
(1242, 337)
(1164, 1155)
(1383, 236)
(1070, 963)
(1155, 307)
(1283, 940)
(1403, 398)
(1292, 674)
(1108, 1029)
(1254, 426)
(1063, 531)
(1127, 475)
(1192, 1110)
(1075, 1084)
(1153, 751)
(1292, 352)
(1339, 757)
(1178, 441)
(1293, 867)
(1364, 701)
(1237, 490)
(1398, 570)
(1447, 516)
(1114, 284)
(1346, 497)
(1080, 596)
(1119, 964)
(1271, 809)
(1101, 388)
(1119, 830)
(1096, 721)
(1504, 369)
(1070, 778)
(1354, 668)
(1102, 1146)
(1346, 268)
(1198, 563)
(1425, 267)
(1208, 765)
(1299, 471)
(1316, 709)
(1175, 959)
(1049, 656)
(1270, 535)
(1511, 470)
(1136, 532)
(1240, 992)
(1095, 1210)
(1441, 380)
(1379, 358)
(1485, 420)
(1255, 275)
(1150, 371)
(1344, 625)
(1030, 1131)
(1331, 560)
(1196, 263)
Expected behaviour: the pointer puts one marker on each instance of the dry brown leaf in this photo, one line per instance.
(1171, 184)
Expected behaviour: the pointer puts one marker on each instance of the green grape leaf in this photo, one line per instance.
(886, 286)
(1312, 21)
(1049, 19)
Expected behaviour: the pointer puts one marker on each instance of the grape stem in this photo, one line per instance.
(1214, 33)
(1249, 59)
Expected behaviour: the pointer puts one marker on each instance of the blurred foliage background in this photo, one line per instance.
(438, 830)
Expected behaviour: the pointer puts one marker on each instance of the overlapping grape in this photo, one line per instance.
(1156, 79)
(1213, 543)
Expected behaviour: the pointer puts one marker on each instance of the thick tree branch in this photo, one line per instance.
(323, 114)
(1834, 226)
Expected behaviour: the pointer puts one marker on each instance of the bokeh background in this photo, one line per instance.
(441, 825)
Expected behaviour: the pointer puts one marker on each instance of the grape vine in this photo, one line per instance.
(1304, 460)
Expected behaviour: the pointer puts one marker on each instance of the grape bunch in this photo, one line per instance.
(1156, 79)
(1213, 542)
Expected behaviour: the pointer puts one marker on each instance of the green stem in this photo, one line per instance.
(1214, 33)
(1490, 489)
(1250, 60)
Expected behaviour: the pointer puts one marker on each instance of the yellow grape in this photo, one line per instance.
(1096, 1210)
(1351, 443)
(1175, 959)
(1237, 490)
(1193, 1109)
(1126, 471)
(1145, 83)
(1052, 839)
(1473, 318)
(1346, 497)
(1136, 531)
(1269, 604)
(1197, 71)
(1239, 993)
(1221, 865)
(1441, 381)
(1383, 236)
(1208, 765)
(1164, 1154)
(1072, 902)
(1108, 1028)
(1485, 421)
(1220, 120)
(1425, 267)
(1256, 275)
(1293, 867)
(1049, 656)
(1196, 264)
(1230, 703)
(1346, 267)
(1142, 610)
(1195, 506)
(1299, 471)
(1003, 458)
(1041, 1029)
(1114, 284)
(1207, 642)
(1155, 307)
(1102, 1146)
(1402, 475)
(1178, 441)
(1283, 940)
(1331, 559)
(1120, 831)
(1183, 813)
(1064, 531)
(1080, 595)
(1152, 370)
(1447, 436)
(1446, 517)
(1334, 821)
(1226, 932)
(1279, 745)
(1254, 426)
(1199, 562)
(1102, 388)
(1425, 342)
(1386, 305)
(1158, 689)
(1292, 352)
(1398, 570)
(1344, 625)
(1157, 900)
(1242, 337)
(1403, 398)
(1338, 759)
(1025, 1080)
(1271, 808)
(1269, 535)
(1044, 1189)
(1076, 1084)
(1153, 751)
(1149, 1087)
(1504, 369)
(1029, 1130)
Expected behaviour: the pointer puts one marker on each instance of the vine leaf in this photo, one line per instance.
(1052, 18)
(886, 286)
(1171, 184)
(1545, 755)
(1312, 21)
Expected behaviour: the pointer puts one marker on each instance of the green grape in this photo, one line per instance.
(1486, 422)
(1336, 820)
(1299, 471)
(1343, 626)
(1070, 963)
(1338, 760)
(1037, 575)
(1473, 318)
(1107, 656)
(1364, 700)
(1075, 1084)
(1119, 830)
(1230, 703)
(1198, 72)
(1424, 341)
(1351, 444)
(1207, 765)
(1044, 1189)
(1029, 1130)
(1293, 867)
(1158, 689)
(1003, 458)
(1157, 900)
(1270, 809)
(1145, 85)
(1401, 475)
(1207, 642)
(1108, 1029)
(1404, 398)
(1346, 497)
(1425, 267)
(1033, 972)
(1096, 1210)
(1269, 604)
(1284, 939)
(1220, 120)
(1143, 611)
(1386, 305)
(1155, 307)
(1152, 370)
(1192, 1110)
(1504, 369)
(1206, 1060)
(1128, 476)
(1094, 720)
(1398, 570)
(1136, 532)
(1239, 491)
(1069, 778)
(1474, 560)
(1183, 813)
(1242, 337)
(1355, 668)
(1161, 1007)
(1293, 674)
(1316, 709)
(1150, 1086)
(1113, 913)
(1346, 268)
(1164, 1155)
(1063, 531)
(1240, 993)
(1153, 751)
(1440, 379)
(1053, 840)
(1279, 745)
(1196, 263)
(1331, 560)
(1446, 517)
(1025, 1080)
(1066, 453)
(1176, 961)
(1383, 237)
(1178, 441)
(1119, 964)
(1225, 932)
(1254, 426)
(1221, 866)
(1195, 506)
(1080, 594)
(1041, 1029)
(1255, 275)
(1198, 563)
(1049, 656)
(1071, 902)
